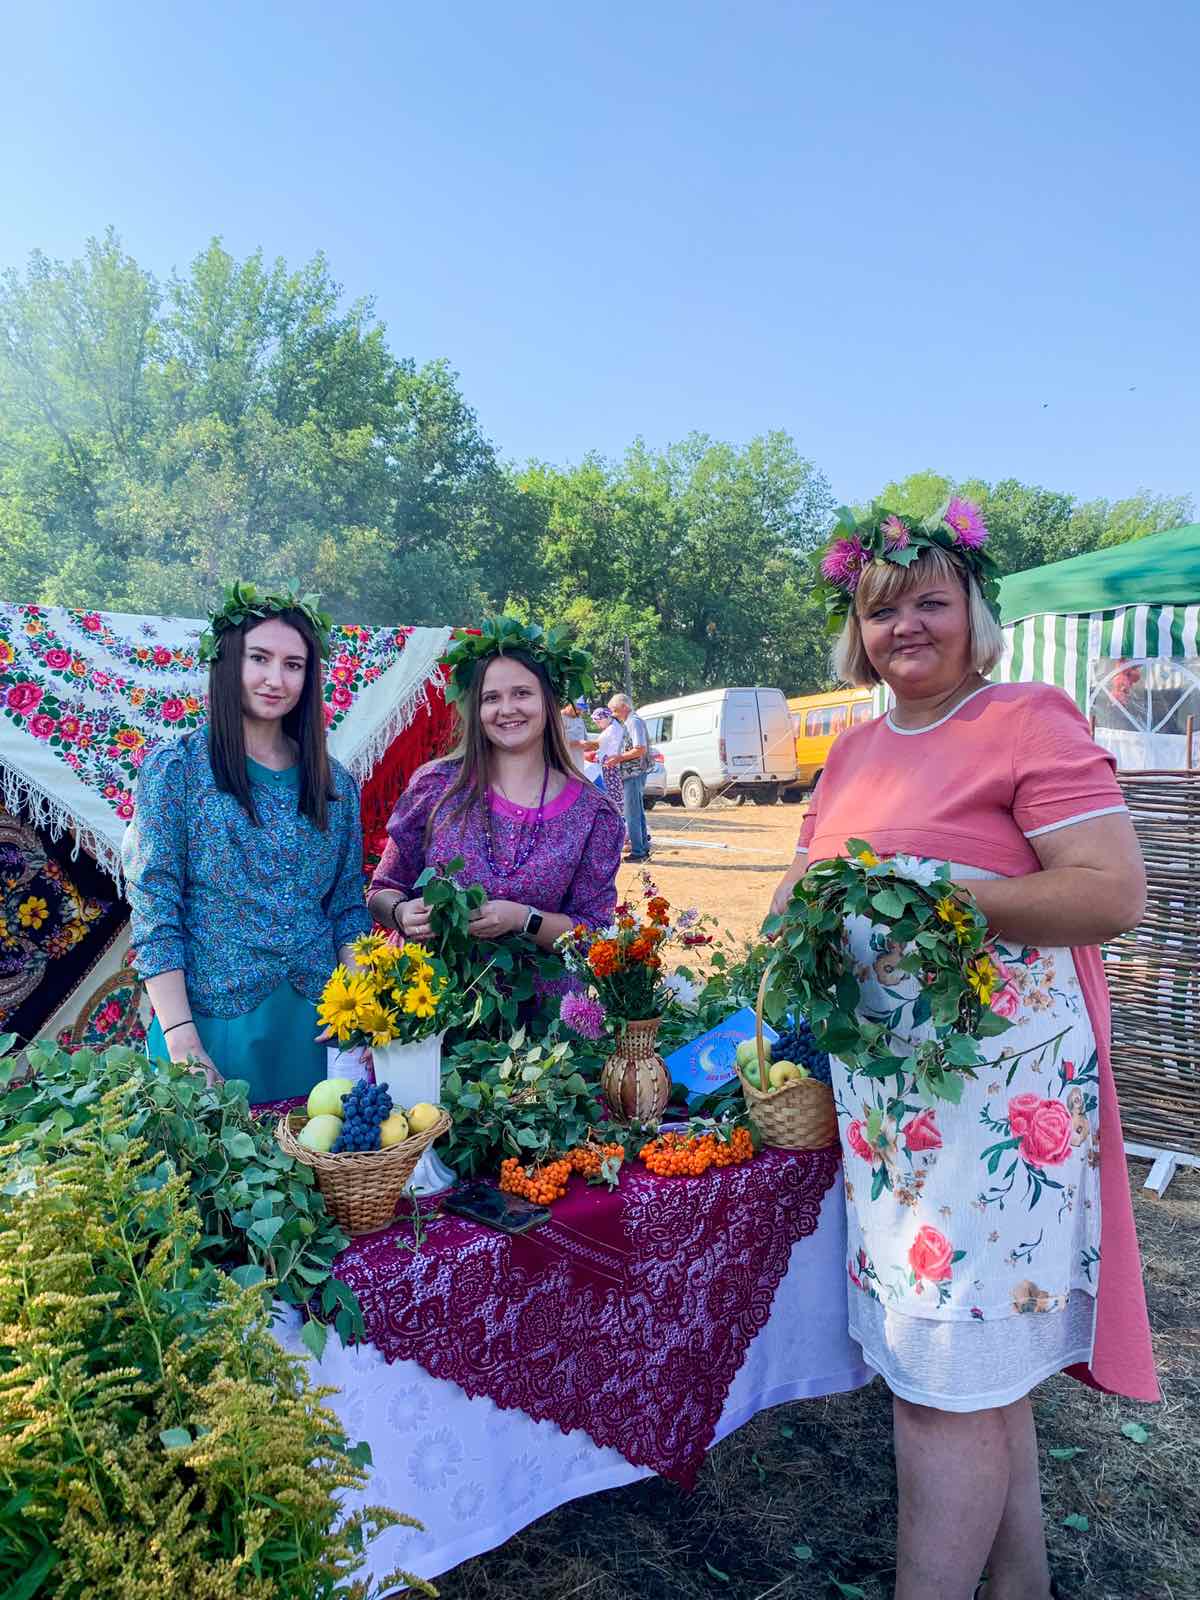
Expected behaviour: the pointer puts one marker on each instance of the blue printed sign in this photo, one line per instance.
(704, 1064)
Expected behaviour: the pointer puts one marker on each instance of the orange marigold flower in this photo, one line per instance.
(602, 958)
(659, 908)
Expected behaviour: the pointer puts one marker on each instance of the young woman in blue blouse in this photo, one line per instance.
(243, 863)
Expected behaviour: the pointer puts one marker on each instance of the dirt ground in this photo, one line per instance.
(800, 1503)
(726, 859)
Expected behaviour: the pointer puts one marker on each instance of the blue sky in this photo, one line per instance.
(910, 235)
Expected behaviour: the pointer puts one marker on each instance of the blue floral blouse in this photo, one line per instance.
(239, 908)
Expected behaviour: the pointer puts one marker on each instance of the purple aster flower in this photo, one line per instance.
(895, 533)
(966, 520)
(582, 1014)
(844, 562)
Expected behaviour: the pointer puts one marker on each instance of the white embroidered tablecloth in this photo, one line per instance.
(474, 1474)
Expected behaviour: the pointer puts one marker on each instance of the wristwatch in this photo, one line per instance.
(533, 921)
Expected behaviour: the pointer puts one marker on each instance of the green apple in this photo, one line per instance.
(327, 1096)
(747, 1054)
(320, 1133)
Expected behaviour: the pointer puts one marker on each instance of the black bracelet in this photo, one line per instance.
(175, 1025)
(396, 904)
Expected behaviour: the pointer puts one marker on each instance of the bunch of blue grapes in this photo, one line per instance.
(796, 1043)
(363, 1110)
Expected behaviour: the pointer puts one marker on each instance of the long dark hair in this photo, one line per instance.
(472, 752)
(305, 722)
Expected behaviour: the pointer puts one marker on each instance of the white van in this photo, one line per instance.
(723, 741)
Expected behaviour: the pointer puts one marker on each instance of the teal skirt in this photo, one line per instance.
(270, 1047)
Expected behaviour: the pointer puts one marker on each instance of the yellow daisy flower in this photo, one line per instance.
(377, 1022)
(952, 911)
(868, 858)
(340, 1002)
(983, 978)
(367, 947)
(420, 1001)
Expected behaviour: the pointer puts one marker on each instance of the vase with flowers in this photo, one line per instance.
(621, 967)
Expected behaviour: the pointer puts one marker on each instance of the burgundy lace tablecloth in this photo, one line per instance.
(626, 1315)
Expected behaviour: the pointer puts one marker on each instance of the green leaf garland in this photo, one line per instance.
(944, 939)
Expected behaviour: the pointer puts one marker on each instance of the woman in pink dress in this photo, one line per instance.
(991, 1242)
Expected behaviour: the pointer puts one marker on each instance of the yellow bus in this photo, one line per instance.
(817, 719)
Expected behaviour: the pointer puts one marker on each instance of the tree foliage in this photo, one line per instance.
(241, 419)
(158, 439)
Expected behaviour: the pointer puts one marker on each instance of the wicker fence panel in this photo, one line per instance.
(1154, 972)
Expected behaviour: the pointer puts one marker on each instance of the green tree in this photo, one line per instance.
(699, 553)
(156, 440)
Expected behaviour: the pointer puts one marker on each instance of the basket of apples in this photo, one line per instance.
(362, 1149)
(786, 1085)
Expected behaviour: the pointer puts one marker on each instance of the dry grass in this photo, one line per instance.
(805, 1494)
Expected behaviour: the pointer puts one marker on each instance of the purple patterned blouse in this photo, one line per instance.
(572, 867)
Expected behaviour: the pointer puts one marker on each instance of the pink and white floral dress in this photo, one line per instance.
(989, 1243)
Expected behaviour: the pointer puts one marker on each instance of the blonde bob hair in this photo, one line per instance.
(882, 582)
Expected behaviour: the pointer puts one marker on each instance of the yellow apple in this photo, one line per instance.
(786, 1072)
(325, 1099)
(423, 1116)
(393, 1130)
(320, 1133)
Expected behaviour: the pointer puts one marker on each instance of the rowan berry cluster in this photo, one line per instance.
(539, 1184)
(677, 1155)
(548, 1182)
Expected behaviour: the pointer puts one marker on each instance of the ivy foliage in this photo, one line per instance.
(261, 1212)
(519, 1097)
(942, 936)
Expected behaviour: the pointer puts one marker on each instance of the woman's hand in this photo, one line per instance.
(413, 919)
(495, 918)
(184, 1047)
(783, 889)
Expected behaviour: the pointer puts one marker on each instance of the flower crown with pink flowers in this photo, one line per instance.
(884, 535)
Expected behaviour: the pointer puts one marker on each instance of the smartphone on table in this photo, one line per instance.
(510, 1213)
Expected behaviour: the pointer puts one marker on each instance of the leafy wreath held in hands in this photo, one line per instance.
(944, 939)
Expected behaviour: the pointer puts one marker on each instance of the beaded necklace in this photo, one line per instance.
(518, 859)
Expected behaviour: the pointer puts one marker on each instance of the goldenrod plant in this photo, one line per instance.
(156, 1442)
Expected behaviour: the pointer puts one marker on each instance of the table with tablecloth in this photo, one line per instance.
(507, 1375)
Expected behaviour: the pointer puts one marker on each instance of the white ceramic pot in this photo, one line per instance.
(413, 1072)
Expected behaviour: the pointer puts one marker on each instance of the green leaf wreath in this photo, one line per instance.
(245, 600)
(944, 939)
(568, 667)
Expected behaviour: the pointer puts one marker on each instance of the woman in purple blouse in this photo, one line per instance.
(544, 843)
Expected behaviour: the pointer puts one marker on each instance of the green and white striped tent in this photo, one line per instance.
(1119, 630)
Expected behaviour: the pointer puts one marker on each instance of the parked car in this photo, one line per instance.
(736, 742)
(817, 719)
(656, 781)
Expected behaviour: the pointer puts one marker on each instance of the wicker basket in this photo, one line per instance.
(362, 1188)
(799, 1116)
